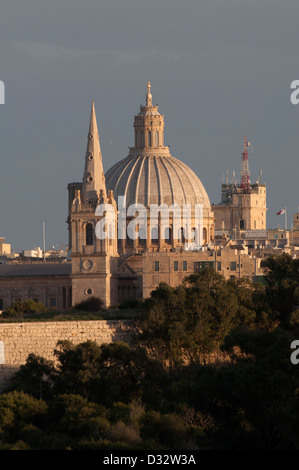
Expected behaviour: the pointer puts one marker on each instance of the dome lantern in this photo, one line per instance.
(149, 124)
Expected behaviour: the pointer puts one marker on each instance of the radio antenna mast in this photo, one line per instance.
(245, 180)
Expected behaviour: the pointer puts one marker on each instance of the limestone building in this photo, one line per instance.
(295, 231)
(112, 267)
(243, 205)
(5, 248)
(119, 250)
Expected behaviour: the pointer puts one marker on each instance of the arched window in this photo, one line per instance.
(89, 234)
(194, 235)
(154, 235)
(141, 236)
(149, 138)
(167, 235)
(135, 139)
(181, 235)
(142, 139)
(157, 139)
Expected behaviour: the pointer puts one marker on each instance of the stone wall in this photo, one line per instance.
(18, 340)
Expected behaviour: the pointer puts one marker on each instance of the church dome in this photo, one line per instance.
(156, 179)
(150, 174)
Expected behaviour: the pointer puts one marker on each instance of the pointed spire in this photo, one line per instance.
(93, 179)
(93, 126)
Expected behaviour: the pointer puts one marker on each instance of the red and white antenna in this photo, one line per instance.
(245, 180)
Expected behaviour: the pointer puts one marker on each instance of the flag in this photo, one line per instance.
(283, 211)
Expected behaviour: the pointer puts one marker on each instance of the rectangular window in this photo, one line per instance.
(242, 224)
(157, 266)
(53, 302)
(218, 265)
(176, 266)
(1, 304)
(35, 299)
(184, 265)
(199, 265)
(233, 266)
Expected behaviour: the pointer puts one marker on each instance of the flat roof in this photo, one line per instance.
(38, 269)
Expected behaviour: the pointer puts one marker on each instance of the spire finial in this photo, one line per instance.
(149, 96)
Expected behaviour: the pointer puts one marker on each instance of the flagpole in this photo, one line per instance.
(44, 240)
(285, 218)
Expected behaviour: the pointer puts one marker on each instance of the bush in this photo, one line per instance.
(92, 304)
(18, 309)
(130, 303)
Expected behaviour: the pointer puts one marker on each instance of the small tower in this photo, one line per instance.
(94, 259)
(149, 125)
(243, 206)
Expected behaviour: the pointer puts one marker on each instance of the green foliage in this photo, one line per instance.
(168, 429)
(282, 286)
(78, 368)
(18, 309)
(92, 304)
(130, 303)
(17, 412)
(108, 373)
(77, 417)
(35, 377)
(209, 369)
(190, 322)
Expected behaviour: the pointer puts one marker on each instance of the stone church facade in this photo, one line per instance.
(112, 268)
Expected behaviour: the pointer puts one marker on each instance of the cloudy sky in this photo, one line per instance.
(219, 69)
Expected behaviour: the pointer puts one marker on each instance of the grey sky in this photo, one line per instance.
(219, 70)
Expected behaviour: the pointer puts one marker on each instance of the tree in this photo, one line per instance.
(35, 377)
(18, 309)
(253, 400)
(282, 286)
(78, 418)
(190, 322)
(92, 304)
(21, 418)
(127, 374)
(108, 373)
(77, 368)
(161, 329)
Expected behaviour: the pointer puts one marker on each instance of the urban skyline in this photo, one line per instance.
(215, 77)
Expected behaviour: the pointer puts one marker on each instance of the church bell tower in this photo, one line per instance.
(94, 258)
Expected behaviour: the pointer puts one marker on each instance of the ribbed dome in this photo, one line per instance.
(156, 180)
(149, 174)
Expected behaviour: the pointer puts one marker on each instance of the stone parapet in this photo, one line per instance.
(18, 340)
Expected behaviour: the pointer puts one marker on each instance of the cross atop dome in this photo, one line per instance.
(149, 97)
